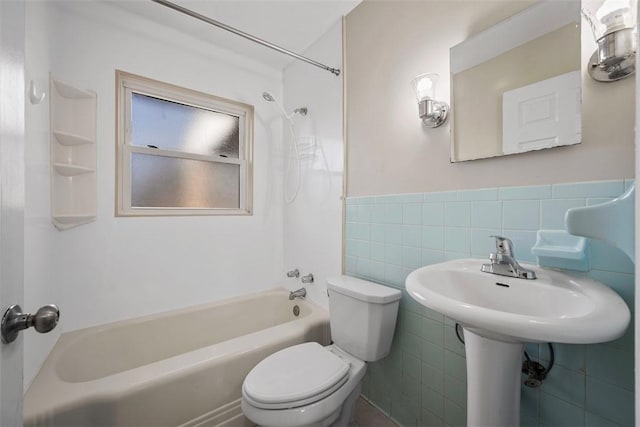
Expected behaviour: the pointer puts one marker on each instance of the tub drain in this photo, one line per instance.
(296, 310)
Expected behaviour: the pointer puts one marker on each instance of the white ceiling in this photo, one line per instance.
(292, 24)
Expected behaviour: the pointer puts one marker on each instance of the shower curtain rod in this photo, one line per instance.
(240, 33)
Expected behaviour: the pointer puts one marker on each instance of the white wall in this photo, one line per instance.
(117, 268)
(313, 222)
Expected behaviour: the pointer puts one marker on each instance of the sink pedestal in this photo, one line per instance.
(493, 381)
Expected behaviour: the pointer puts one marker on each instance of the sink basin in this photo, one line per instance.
(554, 307)
(500, 314)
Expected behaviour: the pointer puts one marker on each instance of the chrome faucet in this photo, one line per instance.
(504, 263)
(300, 293)
(307, 278)
(293, 273)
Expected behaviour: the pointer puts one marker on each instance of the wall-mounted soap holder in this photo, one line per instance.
(559, 249)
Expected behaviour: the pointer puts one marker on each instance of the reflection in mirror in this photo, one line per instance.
(515, 87)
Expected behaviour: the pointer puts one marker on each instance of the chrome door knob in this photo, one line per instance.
(46, 318)
(13, 321)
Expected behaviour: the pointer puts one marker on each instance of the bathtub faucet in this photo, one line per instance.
(300, 293)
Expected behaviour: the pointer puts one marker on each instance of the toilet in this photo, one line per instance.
(311, 385)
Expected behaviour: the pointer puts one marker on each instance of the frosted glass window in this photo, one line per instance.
(170, 182)
(173, 126)
(181, 152)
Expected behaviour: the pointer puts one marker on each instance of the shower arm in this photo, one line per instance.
(247, 36)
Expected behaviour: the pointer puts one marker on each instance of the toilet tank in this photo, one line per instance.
(362, 316)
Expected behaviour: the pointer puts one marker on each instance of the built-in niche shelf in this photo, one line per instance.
(73, 155)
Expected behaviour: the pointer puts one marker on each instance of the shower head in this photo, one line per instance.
(268, 97)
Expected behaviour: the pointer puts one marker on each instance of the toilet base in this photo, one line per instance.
(347, 412)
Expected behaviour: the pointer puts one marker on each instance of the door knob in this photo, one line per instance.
(14, 320)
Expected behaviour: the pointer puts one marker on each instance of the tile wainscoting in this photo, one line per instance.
(423, 381)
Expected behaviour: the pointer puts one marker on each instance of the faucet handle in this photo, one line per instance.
(504, 245)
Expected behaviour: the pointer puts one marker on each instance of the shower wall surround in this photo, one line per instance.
(316, 214)
(117, 268)
(422, 381)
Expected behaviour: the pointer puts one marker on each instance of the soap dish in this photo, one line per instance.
(559, 249)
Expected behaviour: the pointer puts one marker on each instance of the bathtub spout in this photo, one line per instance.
(300, 293)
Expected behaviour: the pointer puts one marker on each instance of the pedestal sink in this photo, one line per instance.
(501, 314)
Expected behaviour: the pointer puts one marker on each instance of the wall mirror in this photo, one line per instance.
(516, 87)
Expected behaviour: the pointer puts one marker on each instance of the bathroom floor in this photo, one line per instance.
(368, 415)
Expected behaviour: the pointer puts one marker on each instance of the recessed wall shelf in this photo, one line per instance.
(73, 155)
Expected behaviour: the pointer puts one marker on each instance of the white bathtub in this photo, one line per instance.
(181, 368)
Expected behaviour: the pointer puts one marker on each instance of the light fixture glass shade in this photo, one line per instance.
(613, 27)
(432, 112)
(424, 86)
(611, 16)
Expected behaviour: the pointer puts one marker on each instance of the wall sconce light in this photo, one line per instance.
(614, 30)
(433, 113)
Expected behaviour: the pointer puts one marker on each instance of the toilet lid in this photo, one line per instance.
(295, 376)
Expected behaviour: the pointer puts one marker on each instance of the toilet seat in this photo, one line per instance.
(295, 376)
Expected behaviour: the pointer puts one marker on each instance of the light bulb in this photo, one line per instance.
(424, 89)
(425, 86)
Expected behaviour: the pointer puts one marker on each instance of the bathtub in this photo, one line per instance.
(181, 368)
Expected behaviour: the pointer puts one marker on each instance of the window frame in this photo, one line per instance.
(126, 84)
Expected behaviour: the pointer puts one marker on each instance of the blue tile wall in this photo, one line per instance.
(423, 380)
